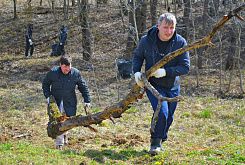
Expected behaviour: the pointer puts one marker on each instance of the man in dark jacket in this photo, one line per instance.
(159, 41)
(29, 41)
(61, 83)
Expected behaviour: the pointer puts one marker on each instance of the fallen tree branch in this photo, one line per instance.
(160, 99)
(57, 128)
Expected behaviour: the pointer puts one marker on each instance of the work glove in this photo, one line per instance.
(138, 79)
(61, 44)
(159, 73)
(48, 101)
(30, 41)
(86, 107)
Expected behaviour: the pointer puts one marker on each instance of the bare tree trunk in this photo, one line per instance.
(41, 2)
(195, 50)
(239, 57)
(230, 60)
(137, 25)
(73, 3)
(153, 9)
(15, 12)
(123, 11)
(203, 31)
(221, 62)
(131, 41)
(141, 9)
(86, 34)
(52, 6)
(186, 18)
(66, 9)
(166, 4)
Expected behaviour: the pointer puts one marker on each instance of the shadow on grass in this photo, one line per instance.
(100, 156)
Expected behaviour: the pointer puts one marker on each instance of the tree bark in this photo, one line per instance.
(86, 34)
(56, 128)
(15, 12)
(186, 18)
(153, 9)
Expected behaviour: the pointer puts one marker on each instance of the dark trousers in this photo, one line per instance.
(166, 114)
(29, 47)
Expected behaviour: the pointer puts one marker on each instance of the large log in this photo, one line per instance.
(57, 127)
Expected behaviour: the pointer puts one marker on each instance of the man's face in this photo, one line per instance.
(166, 31)
(65, 68)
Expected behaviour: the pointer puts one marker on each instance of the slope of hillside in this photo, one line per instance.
(207, 129)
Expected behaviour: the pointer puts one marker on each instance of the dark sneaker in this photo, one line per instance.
(59, 147)
(155, 150)
(156, 146)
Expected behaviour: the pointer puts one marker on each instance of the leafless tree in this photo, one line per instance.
(86, 34)
(66, 9)
(186, 18)
(137, 24)
(15, 12)
(153, 9)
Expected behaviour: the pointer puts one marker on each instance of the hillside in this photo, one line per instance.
(208, 129)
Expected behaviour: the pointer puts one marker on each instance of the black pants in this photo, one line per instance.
(29, 47)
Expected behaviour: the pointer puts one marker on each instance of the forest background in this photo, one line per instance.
(209, 123)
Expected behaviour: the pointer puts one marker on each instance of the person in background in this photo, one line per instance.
(29, 41)
(158, 42)
(62, 39)
(61, 83)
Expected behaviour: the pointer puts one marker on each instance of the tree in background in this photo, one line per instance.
(86, 33)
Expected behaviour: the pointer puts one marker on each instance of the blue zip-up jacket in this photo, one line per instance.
(62, 87)
(147, 50)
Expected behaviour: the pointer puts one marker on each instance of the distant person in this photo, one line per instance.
(61, 83)
(62, 39)
(59, 48)
(29, 42)
(159, 41)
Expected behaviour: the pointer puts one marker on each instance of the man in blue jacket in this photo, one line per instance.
(61, 83)
(29, 41)
(159, 41)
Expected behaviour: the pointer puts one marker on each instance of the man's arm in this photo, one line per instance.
(138, 57)
(46, 85)
(83, 88)
(183, 64)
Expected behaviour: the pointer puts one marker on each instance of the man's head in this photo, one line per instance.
(166, 25)
(65, 64)
(30, 25)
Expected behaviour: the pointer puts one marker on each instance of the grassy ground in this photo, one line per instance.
(206, 130)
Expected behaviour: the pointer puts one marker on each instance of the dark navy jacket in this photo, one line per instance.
(147, 50)
(63, 36)
(28, 34)
(62, 87)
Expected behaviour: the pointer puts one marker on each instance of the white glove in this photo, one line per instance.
(87, 105)
(48, 101)
(30, 41)
(138, 79)
(159, 73)
(61, 44)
